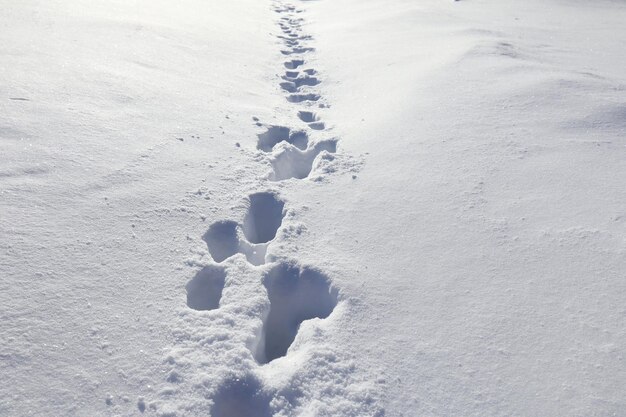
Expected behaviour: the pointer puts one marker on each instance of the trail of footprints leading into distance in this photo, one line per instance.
(296, 293)
(293, 149)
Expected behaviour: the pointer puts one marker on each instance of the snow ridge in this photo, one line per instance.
(254, 340)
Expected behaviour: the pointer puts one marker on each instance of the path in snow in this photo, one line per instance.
(276, 302)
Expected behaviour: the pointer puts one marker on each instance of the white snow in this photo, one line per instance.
(313, 208)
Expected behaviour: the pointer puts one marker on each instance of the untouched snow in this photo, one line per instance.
(313, 208)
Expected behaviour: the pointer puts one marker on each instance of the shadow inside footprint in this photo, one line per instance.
(296, 294)
(204, 291)
(312, 119)
(241, 397)
(306, 80)
(222, 240)
(297, 50)
(299, 98)
(293, 64)
(264, 217)
(262, 220)
(276, 134)
(307, 116)
(289, 86)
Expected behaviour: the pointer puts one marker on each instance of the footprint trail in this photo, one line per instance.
(254, 305)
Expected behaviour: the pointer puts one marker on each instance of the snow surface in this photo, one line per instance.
(313, 208)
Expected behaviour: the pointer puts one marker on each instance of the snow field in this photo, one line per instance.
(318, 208)
(495, 281)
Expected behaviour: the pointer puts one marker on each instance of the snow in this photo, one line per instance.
(312, 208)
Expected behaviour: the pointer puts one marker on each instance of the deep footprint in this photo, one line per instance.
(293, 64)
(276, 134)
(289, 86)
(204, 291)
(297, 82)
(306, 80)
(299, 98)
(296, 294)
(264, 217)
(312, 119)
(307, 116)
(294, 163)
(241, 397)
(222, 240)
(293, 51)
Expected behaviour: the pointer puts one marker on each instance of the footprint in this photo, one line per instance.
(227, 238)
(310, 71)
(294, 163)
(293, 64)
(241, 397)
(291, 42)
(299, 81)
(307, 116)
(293, 51)
(289, 86)
(204, 291)
(302, 37)
(284, 9)
(222, 240)
(294, 23)
(295, 37)
(275, 134)
(298, 98)
(312, 119)
(306, 80)
(296, 294)
(264, 217)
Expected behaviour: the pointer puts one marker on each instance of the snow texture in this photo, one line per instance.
(313, 208)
